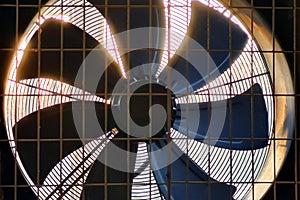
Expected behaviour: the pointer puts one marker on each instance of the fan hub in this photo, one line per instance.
(140, 102)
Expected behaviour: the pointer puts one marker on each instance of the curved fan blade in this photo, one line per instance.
(177, 20)
(241, 75)
(179, 178)
(87, 18)
(111, 177)
(227, 167)
(153, 17)
(66, 178)
(60, 146)
(245, 126)
(225, 40)
(144, 184)
(40, 93)
(222, 48)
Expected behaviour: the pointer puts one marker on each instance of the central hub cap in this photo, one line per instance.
(143, 99)
(146, 104)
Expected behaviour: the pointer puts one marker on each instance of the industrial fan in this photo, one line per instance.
(173, 100)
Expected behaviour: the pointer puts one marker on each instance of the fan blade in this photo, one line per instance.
(222, 164)
(153, 17)
(40, 93)
(183, 177)
(239, 132)
(245, 71)
(66, 178)
(224, 42)
(112, 169)
(177, 20)
(89, 19)
(144, 184)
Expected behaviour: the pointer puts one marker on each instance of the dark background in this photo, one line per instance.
(285, 22)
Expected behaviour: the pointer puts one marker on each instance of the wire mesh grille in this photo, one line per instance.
(57, 45)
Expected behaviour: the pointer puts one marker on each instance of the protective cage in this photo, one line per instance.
(82, 81)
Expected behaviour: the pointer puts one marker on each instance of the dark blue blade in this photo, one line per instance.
(145, 56)
(249, 121)
(51, 39)
(224, 42)
(144, 17)
(109, 179)
(187, 180)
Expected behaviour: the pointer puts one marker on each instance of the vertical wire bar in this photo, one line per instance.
(274, 90)
(169, 169)
(106, 107)
(83, 87)
(295, 40)
(16, 126)
(61, 97)
(128, 104)
(209, 109)
(39, 109)
(187, 114)
(230, 100)
(150, 80)
(252, 104)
